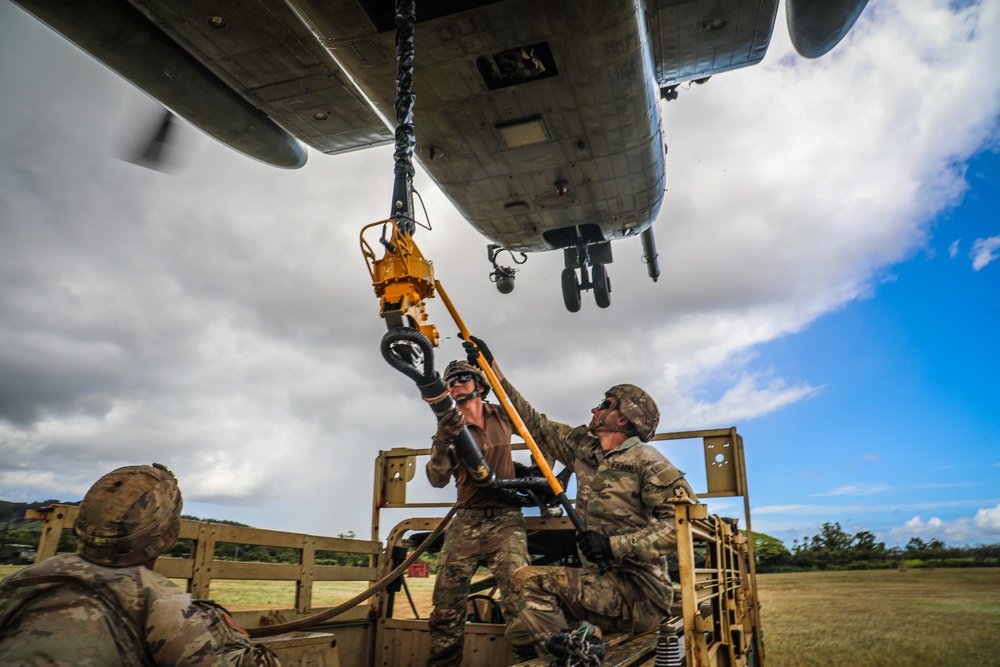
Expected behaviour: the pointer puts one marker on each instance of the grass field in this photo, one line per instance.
(882, 618)
(237, 595)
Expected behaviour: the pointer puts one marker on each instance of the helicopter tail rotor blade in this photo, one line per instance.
(154, 153)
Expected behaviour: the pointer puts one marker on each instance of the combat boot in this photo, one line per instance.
(557, 642)
(579, 643)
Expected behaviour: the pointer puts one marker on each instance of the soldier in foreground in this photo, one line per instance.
(623, 489)
(483, 526)
(105, 605)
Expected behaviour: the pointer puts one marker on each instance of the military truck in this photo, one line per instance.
(17, 554)
(714, 621)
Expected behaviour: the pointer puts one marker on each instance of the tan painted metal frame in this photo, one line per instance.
(202, 567)
(719, 613)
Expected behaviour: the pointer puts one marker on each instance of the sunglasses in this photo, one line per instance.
(607, 404)
(461, 377)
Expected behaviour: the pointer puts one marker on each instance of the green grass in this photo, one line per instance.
(9, 569)
(882, 618)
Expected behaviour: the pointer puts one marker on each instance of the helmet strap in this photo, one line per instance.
(610, 427)
(462, 398)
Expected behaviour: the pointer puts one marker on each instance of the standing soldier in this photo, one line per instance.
(105, 605)
(624, 487)
(483, 526)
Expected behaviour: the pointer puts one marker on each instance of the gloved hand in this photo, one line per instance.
(473, 347)
(521, 470)
(595, 546)
(450, 424)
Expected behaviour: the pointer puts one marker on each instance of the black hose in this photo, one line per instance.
(402, 347)
(402, 358)
(377, 587)
(396, 343)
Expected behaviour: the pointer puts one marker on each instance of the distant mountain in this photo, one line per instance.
(12, 517)
(15, 529)
(11, 511)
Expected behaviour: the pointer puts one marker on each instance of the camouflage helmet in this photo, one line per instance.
(130, 516)
(638, 407)
(460, 366)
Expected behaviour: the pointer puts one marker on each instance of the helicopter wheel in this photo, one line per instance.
(602, 285)
(571, 290)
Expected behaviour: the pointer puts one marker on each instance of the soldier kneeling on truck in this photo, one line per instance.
(624, 487)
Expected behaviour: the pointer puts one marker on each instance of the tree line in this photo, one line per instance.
(15, 530)
(834, 549)
(831, 549)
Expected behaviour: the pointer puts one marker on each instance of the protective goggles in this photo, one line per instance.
(608, 404)
(459, 378)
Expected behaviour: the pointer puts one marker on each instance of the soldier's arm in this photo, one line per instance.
(441, 465)
(549, 435)
(659, 537)
(182, 631)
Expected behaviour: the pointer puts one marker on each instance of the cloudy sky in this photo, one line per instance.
(830, 247)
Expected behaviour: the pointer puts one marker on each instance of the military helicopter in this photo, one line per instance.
(540, 121)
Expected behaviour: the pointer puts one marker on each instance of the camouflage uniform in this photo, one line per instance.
(621, 493)
(482, 527)
(69, 611)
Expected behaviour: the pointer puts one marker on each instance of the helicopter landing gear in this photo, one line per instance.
(571, 290)
(590, 259)
(602, 286)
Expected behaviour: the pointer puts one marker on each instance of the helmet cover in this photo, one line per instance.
(460, 366)
(638, 407)
(130, 516)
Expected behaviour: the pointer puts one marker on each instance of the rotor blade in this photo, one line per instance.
(155, 152)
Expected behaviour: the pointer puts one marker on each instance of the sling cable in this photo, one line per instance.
(403, 279)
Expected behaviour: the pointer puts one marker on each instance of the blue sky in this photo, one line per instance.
(821, 292)
(905, 424)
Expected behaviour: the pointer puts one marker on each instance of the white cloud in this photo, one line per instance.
(221, 321)
(825, 509)
(780, 509)
(795, 521)
(953, 248)
(957, 532)
(988, 520)
(872, 457)
(857, 490)
(984, 251)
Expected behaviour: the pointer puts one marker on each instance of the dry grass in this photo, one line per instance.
(239, 595)
(883, 618)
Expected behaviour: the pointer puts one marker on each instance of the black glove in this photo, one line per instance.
(473, 347)
(521, 470)
(595, 546)
(450, 424)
